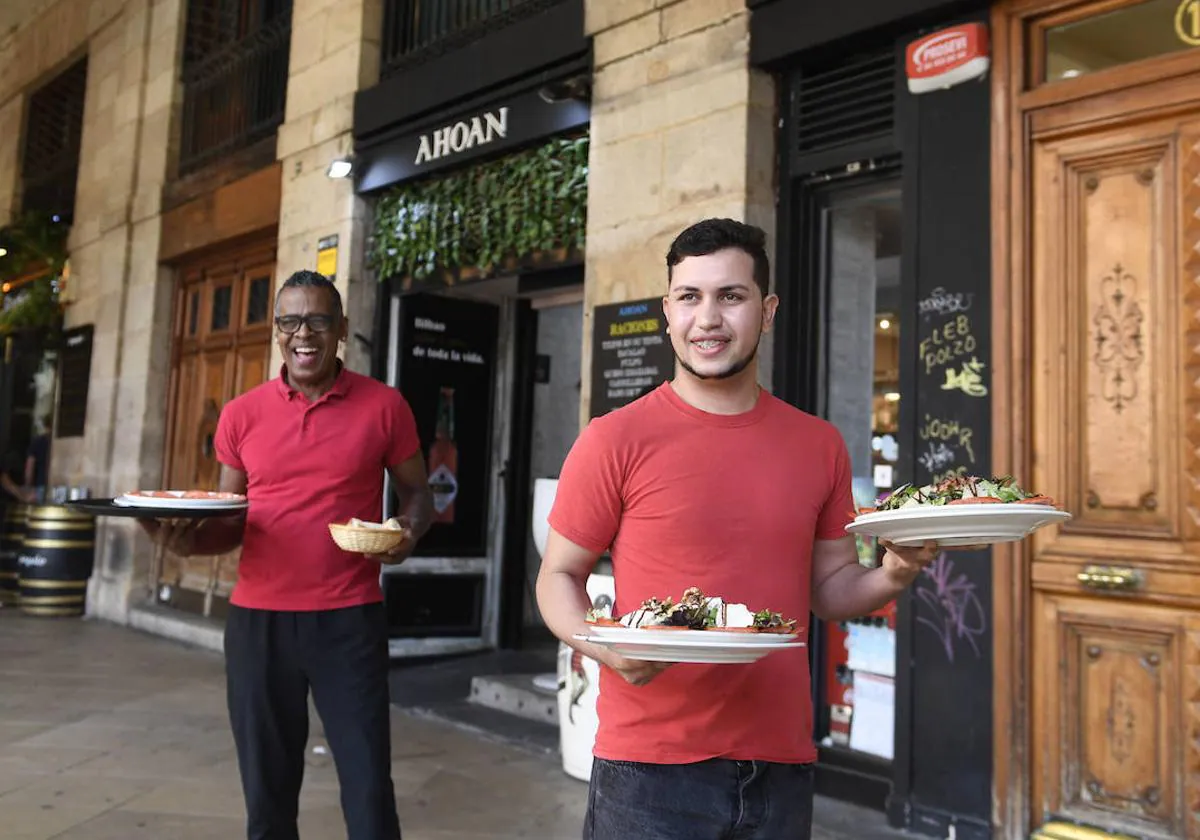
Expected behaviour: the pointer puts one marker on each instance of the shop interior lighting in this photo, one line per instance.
(3, 252)
(884, 324)
(341, 168)
(892, 396)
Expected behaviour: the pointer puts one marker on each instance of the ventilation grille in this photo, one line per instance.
(843, 102)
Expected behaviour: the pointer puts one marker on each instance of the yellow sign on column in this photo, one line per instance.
(327, 249)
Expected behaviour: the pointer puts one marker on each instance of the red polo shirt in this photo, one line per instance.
(307, 465)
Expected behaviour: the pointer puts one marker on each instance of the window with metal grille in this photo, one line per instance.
(415, 31)
(50, 159)
(844, 101)
(235, 69)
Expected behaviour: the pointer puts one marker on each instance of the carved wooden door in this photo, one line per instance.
(222, 349)
(1115, 362)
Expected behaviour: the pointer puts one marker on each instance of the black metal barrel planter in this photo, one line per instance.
(56, 561)
(12, 535)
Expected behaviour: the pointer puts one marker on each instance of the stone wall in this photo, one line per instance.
(116, 282)
(334, 53)
(682, 129)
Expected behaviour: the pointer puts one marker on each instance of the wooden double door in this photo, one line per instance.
(221, 348)
(1112, 414)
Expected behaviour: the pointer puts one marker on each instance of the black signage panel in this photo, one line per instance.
(447, 361)
(949, 608)
(504, 126)
(631, 352)
(75, 372)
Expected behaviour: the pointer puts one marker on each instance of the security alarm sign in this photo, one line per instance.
(948, 57)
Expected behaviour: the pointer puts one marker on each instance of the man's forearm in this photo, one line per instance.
(418, 509)
(854, 591)
(563, 603)
(219, 535)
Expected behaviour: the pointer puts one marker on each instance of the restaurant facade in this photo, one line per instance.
(983, 219)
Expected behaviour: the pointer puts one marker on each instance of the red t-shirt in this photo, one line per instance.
(307, 465)
(731, 504)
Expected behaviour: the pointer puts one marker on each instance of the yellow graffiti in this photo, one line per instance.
(968, 379)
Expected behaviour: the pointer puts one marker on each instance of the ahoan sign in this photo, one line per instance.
(462, 136)
(948, 57)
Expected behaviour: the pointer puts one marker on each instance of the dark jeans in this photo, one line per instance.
(710, 800)
(272, 660)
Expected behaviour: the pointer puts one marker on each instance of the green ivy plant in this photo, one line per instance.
(487, 217)
(32, 242)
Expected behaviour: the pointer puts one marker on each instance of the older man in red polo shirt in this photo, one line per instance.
(310, 448)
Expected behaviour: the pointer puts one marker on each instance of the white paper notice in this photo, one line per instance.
(872, 729)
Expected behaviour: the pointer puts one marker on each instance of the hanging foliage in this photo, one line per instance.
(485, 218)
(35, 246)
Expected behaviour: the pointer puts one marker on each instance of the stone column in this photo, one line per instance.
(335, 52)
(116, 283)
(682, 129)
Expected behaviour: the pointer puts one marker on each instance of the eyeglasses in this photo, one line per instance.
(290, 324)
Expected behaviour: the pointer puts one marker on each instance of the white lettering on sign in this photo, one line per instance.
(463, 135)
(429, 324)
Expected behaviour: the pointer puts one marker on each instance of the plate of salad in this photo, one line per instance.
(959, 512)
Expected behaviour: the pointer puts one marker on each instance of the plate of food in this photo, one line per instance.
(697, 628)
(959, 512)
(181, 499)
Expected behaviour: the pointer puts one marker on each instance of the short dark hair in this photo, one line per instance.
(712, 235)
(313, 280)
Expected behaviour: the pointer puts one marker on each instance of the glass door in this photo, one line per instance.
(855, 233)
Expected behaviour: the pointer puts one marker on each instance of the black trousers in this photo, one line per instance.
(272, 661)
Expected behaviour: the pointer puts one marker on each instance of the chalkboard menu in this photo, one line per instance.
(447, 358)
(631, 352)
(949, 607)
(75, 372)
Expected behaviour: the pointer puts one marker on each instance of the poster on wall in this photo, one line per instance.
(447, 361)
(631, 352)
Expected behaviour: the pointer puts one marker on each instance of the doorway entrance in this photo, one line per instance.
(221, 348)
(848, 294)
(1097, 275)
(517, 412)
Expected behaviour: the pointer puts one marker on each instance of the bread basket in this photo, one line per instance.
(366, 540)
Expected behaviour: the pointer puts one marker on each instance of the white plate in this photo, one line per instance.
(957, 525)
(176, 502)
(639, 635)
(658, 649)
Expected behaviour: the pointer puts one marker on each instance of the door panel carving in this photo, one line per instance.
(1106, 350)
(1113, 713)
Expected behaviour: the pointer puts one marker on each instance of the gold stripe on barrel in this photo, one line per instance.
(36, 543)
(50, 611)
(60, 524)
(54, 584)
(47, 600)
(56, 513)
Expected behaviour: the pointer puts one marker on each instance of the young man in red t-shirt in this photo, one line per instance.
(308, 449)
(709, 481)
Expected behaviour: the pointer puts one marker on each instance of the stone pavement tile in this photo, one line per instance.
(190, 797)
(20, 758)
(53, 804)
(156, 763)
(136, 825)
(12, 732)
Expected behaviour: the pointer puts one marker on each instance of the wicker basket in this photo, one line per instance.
(366, 540)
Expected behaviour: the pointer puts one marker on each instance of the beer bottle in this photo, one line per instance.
(443, 460)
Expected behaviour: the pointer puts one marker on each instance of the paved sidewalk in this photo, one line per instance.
(109, 734)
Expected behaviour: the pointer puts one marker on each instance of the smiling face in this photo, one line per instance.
(717, 314)
(310, 353)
